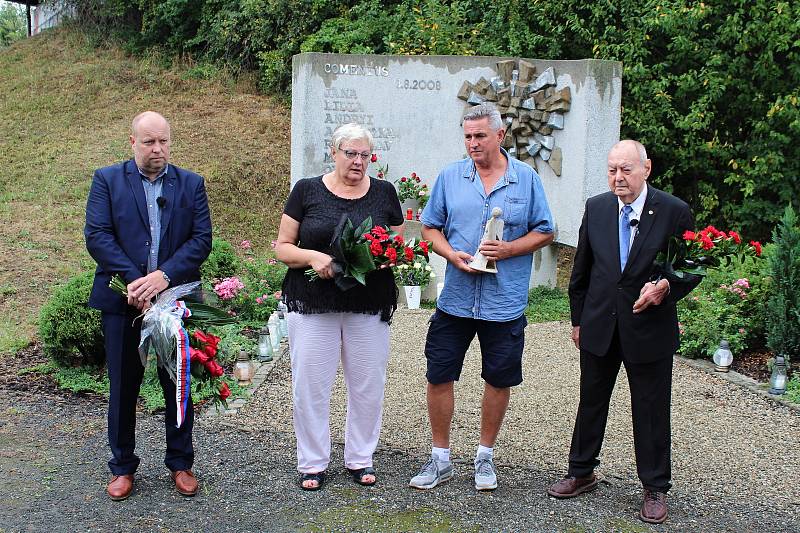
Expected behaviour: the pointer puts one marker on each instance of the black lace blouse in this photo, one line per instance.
(319, 211)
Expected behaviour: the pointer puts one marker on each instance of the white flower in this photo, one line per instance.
(433, 275)
(428, 268)
(417, 265)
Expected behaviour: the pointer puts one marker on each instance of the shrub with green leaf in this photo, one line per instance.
(783, 306)
(70, 331)
(222, 262)
(728, 304)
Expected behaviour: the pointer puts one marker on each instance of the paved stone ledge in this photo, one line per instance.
(737, 379)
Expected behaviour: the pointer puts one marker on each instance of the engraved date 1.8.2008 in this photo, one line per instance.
(424, 85)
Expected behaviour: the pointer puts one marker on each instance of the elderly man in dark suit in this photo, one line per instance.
(623, 312)
(147, 221)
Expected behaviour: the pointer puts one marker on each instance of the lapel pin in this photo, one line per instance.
(650, 212)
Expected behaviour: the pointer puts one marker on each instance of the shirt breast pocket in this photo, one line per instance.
(515, 217)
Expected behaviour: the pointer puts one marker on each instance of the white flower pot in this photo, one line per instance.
(413, 293)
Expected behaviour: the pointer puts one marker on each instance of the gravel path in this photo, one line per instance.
(736, 458)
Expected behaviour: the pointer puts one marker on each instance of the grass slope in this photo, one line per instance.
(65, 109)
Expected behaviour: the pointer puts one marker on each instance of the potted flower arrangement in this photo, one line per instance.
(413, 277)
(410, 192)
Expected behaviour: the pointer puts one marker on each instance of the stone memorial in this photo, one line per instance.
(562, 118)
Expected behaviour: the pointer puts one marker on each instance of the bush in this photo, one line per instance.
(222, 262)
(253, 296)
(783, 306)
(69, 329)
(728, 304)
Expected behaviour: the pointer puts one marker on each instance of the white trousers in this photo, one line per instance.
(316, 344)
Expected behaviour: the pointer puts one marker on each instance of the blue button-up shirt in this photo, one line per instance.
(460, 208)
(152, 191)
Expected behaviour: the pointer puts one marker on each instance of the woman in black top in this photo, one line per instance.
(327, 324)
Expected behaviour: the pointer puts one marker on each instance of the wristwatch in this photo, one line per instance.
(166, 278)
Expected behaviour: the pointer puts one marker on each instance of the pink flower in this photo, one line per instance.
(228, 288)
(273, 243)
(742, 282)
(272, 261)
(278, 295)
(246, 245)
(741, 330)
(259, 300)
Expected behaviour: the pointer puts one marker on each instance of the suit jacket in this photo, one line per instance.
(117, 229)
(602, 297)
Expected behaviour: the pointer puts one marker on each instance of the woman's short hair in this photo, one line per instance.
(351, 132)
(485, 110)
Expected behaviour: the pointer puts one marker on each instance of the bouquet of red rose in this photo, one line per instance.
(171, 330)
(359, 251)
(695, 252)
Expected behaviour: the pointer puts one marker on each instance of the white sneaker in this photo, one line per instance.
(485, 473)
(432, 473)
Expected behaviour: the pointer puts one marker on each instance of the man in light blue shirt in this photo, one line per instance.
(472, 302)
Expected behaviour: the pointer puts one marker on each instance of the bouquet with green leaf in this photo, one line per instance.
(695, 252)
(173, 330)
(357, 251)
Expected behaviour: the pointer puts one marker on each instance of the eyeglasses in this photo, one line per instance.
(351, 154)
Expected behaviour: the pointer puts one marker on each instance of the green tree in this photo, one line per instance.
(783, 306)
(12, 24)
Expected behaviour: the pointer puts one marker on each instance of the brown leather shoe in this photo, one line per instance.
(185, 482)
(120, 487)
(654, 507)
(571, 486)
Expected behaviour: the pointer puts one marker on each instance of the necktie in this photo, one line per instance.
(624, 236)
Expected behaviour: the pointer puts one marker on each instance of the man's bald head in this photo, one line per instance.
(150, 140)
(636, 145)
(628, 169)
(148, 118)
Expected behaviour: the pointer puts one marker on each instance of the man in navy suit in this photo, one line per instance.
(623, 312)
(147, 221)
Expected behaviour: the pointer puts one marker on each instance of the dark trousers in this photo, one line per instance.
(125, 373)
(651, 391)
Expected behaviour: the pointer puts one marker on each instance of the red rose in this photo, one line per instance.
(213, 368)
(735, 236)
(375, 248)
(374, 158)
(368, 236)
(403, 179)
(210, 350)
(399, 239)
(707, 243)
(416, 178)
(757, 246)
(424, 246)
(414, 175)
(197, 356)
(224, 391)
(391, 254)
(380, 174)
(206, 338)
(409, 253)
(688, 235)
